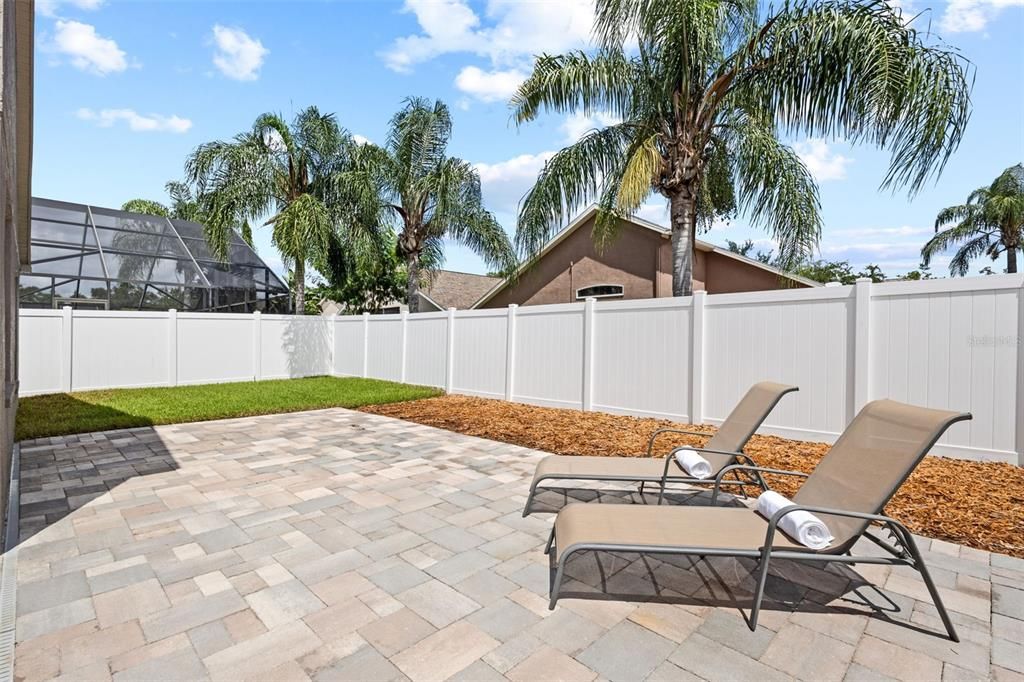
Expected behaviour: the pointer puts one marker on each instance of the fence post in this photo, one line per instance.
(172, 347)
(697, 357)
(332, 320)
(67, 347)
(510, 352)
(588, 354)
(405, 342)
(861, 345)
(449, 362)
(1020, 375)
(366, 344)
(257, 346)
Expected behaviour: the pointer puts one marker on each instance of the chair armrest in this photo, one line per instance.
(773, 522)
(745, 467)
(654, 436)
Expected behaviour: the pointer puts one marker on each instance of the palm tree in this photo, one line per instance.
(411, 182)
(288, 172)
(990, 223)
(705, 99)
(185, 206)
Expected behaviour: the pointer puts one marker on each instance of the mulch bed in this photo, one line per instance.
(977, 504)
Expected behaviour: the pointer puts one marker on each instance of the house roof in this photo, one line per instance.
(449, 289)
(662, 231)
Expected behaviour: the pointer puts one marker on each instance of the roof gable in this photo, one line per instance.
(664, 232)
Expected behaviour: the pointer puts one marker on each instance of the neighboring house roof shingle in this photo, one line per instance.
(448, 289)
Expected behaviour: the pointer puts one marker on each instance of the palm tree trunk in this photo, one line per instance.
(682, 209)
(1011, 260)
(412, 289)
(300, 287)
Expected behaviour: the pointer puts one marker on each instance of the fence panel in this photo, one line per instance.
(41, 356)
(479, 353)
(549, 362)
(213, 348)
(425, 349)
(641, 359)
(953, 350)
(793, 337)
(294, 346)
(384, 348)
(348, 345)
(126, 349)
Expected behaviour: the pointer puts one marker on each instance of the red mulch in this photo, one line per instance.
(977, 504)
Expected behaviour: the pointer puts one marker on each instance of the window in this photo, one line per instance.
(599, 291)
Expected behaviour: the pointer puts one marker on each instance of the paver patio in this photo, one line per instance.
(341, 545)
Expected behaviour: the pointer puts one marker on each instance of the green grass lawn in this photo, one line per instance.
(63, 413)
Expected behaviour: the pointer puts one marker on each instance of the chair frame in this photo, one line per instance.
(903, 551)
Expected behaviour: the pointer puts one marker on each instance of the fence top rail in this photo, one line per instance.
(645, 304)
(307, 319)
(550, 309)
(950, 285)
(781, 296)
(241, 317)
(483, 312)
(435, 315)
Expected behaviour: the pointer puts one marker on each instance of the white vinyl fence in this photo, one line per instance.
(950, 343)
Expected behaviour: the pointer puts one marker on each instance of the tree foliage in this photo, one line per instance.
(991, 224)
(291, 173)
(412, 184)
(708, 95)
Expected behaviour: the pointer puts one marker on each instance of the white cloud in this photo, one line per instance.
(48, 8)
(577, 125)
(823, 163)
(136, 122)
(504, 183)
(514, 31)
(489, 86)
(238, 55)
(359, 139)
(86, 49)
(964, 16)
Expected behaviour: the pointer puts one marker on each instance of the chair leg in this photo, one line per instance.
(642, 484)
(551, 541)
(556, 585)
(908, 540)
(762, 579)
(529, 500)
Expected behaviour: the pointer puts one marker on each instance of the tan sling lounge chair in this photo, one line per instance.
(721, 450)
(848, 490)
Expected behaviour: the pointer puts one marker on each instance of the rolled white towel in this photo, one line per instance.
(692, 463)
(802, 526)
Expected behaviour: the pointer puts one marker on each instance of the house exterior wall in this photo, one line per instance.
(632, 260)
(16, 17)
(639, 259)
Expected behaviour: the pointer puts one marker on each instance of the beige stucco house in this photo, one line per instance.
(638, 264)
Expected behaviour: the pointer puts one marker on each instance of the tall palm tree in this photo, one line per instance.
(990, 223)
(286, 171)
(706, 97)
(412, 182)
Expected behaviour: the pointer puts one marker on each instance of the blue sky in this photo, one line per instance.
(125, 90)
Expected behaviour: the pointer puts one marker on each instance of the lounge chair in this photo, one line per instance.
(847, 490)
(721, 450)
